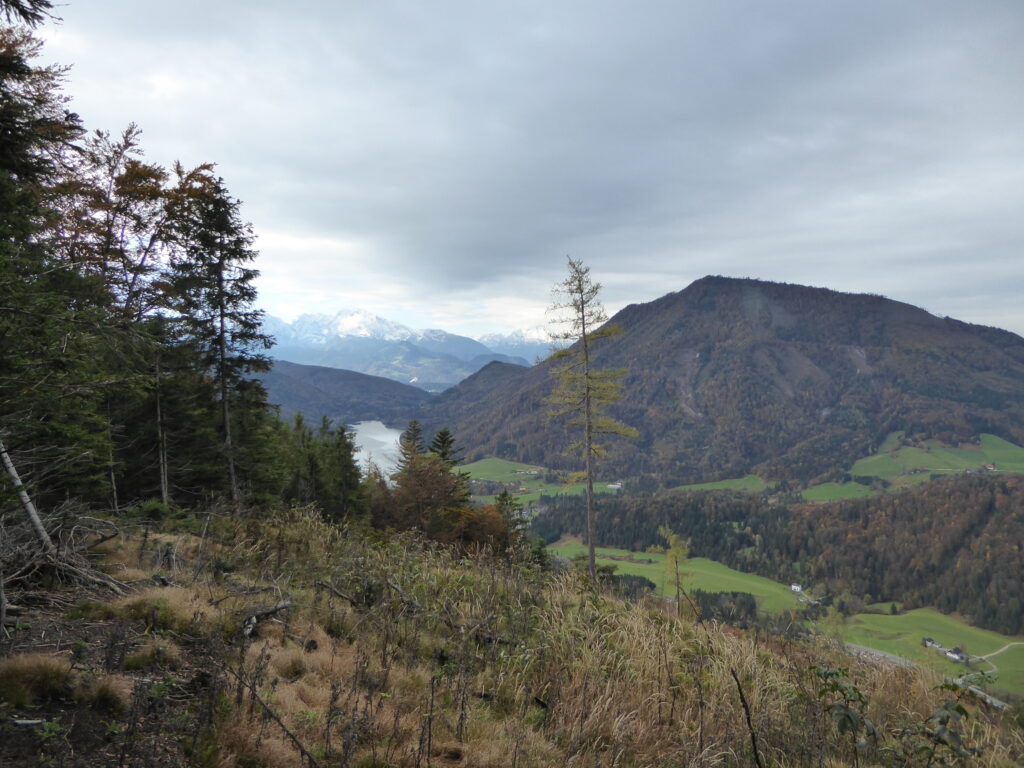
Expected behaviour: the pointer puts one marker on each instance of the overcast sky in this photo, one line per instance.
(435, 162)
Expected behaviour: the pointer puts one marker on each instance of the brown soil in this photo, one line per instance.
(161, 717)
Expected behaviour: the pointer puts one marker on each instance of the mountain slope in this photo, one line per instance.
(731, 375)
(344, 396)
(952, 544)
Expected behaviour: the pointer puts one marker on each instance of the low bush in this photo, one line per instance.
(34, 677)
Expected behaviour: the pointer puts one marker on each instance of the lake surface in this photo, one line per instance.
(377, 443)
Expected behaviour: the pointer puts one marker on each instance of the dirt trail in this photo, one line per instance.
(995, 653)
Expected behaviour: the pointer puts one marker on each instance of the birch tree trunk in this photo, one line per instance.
(26, 502)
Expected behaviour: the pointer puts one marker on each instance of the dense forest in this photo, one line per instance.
(130, 345)
(956, 543)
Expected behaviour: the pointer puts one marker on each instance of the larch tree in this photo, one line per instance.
(582, 392)
(676, 553)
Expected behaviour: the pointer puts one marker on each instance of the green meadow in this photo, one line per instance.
(836, 491)
(698, 573)
(906, 464)
(901, 465)
(750, 483)
(526, 481)
(899, 635)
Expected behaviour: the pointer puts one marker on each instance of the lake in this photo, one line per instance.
(377, 443)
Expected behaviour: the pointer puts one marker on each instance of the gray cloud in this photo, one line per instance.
(455, 150)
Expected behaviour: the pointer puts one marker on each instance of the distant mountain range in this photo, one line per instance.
(734, 376)
(431, 359)
(532, 344)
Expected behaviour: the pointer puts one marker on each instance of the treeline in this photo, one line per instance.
(956, 543)
(129, 337)
(130, 343)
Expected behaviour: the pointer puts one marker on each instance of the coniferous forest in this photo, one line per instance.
(953, 543)
(130, 338)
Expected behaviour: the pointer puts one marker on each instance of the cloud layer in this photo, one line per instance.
(435, 162)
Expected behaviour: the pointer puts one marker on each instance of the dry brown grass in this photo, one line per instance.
(32, 677)
(107, 694)
(471, 663)
(155, 653)
(178, 609)
(246, 741)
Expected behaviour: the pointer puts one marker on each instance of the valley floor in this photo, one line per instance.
(897, 635)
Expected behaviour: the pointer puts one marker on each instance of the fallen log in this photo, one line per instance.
(254, 618)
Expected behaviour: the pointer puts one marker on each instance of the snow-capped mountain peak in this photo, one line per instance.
(530, 343)
(359, 322)
(321, 329)
(358, 340)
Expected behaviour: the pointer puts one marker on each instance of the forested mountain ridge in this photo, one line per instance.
(345, 397)
(954, 544)
(732, 375)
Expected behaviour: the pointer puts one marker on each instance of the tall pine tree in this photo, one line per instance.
(212, 293)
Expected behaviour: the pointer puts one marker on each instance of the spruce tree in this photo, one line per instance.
(443, 446)
(51, 379)
(213, 293)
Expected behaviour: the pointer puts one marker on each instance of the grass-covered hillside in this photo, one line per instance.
(902, 461)
(290, 642)
(898, 463)
(899, 634)
(697, 573)
(526, 482)
(951, 544)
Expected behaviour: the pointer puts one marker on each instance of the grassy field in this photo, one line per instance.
(526, 481)
(901, 635)
(1005, 455)
(905, 465)
(699, 573)
(895, 462)
(750, 483)
(902, 465)
(836, 491)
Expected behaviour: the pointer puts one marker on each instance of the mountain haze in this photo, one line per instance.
(358, 340)
(532, 344)
(732, 375)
